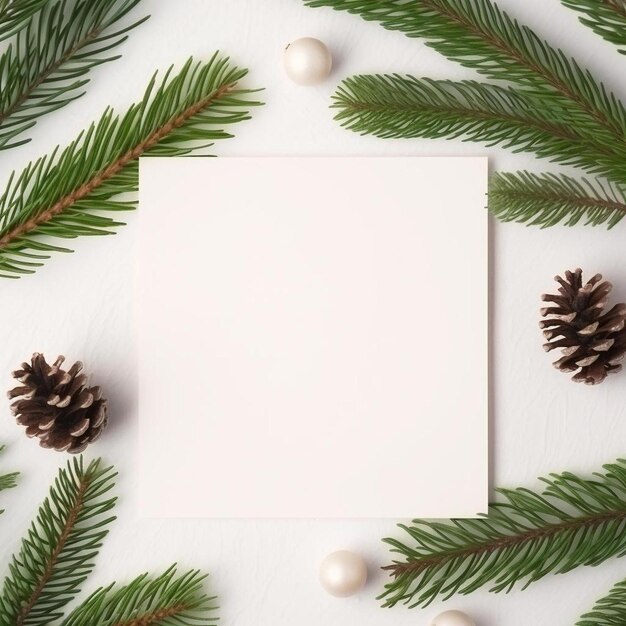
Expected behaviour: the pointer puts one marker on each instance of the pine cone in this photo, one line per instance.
(57, 405)
(591, 341)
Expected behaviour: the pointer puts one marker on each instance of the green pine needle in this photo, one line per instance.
(170, 598)
(550, 199)
(608, 611)
(48, 64)
(7, 481)
(607, 18)
(57, 553)
(15, 13)
(575, 521)
(393, 106)
(65, 194)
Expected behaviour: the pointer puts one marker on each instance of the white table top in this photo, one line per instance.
(80, 305)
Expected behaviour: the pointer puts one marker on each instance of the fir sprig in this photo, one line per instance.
(574, 521)
(609, 610)
(48, 64)
(552, 106)
(15, 13)
(64, 194)
(549, 199)
(57, 553)
(607, 18)
(478, 35)
(166, 599)
(7, 481)
(394, 106)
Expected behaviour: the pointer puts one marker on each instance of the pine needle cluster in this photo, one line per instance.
(527, 535)
(543, 102)
(58, 553)
(67, 194)
(7, 481)
(47, 64)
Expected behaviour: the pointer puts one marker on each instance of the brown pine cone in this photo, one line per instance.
(57, 405)
(593, 342)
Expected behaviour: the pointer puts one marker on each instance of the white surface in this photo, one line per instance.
(266, 572)
(301, 309)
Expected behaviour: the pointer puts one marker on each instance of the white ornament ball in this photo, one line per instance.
(343, 573)
(307, 61)
(453, 618)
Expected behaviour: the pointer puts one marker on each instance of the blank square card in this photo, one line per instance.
(312, 337)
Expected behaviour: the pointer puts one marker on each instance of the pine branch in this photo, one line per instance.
(167, 599)
(63, 195)
(7, 481)
(58, 551)
(15, 13)
(573, 522)
(606, 18)
(477, 34)
(608, 611)
(550, 199)
(393, 106)
(48, 65)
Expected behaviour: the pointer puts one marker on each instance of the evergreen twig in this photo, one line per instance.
(7, 481)
(394, 106)
(57, 553)
(15, 13)
(168, 598)
(609, 610)
(478, 35)
(575, 521)
(63, 194)
(607, 18)
(552, 107)
(48, 64)
(549, 199)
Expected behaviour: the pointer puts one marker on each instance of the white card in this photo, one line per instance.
(313, 337)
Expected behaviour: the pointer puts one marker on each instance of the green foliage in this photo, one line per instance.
(478, 35)
(546, 103)
(549, 199)
(148, 600)
(15, 13)
(48, 64)
(57, 553)
(607, 18)
(393, 106)
(7, 481)
(65, 193)
(574, 521)
(608, 611)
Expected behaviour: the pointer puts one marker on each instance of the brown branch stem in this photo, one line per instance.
(68, 526)
(418, 566)
(584, 201)
(154, 616)
(556, 130)
(113, 168)
(618, 6)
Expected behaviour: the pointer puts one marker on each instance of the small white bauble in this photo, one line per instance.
(453, 618)
(343, 573)
(307, 61)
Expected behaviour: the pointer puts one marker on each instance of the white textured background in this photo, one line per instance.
(80, 305)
